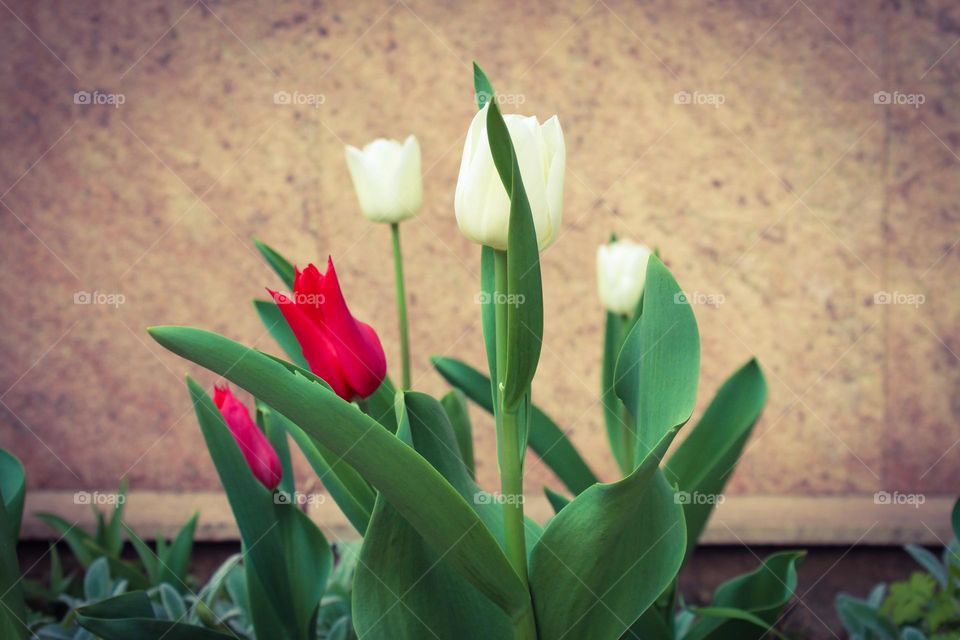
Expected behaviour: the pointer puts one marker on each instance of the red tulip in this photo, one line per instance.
(343, 351)
(256, 449)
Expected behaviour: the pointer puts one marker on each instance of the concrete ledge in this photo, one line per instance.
(744, 519)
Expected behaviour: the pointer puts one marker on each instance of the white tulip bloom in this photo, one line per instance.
(621, 271)
(481, 203)
(386, 177)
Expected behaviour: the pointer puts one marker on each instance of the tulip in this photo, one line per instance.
(621, 271)
(343, 351)
(259, 454)
(482, 204)
(386, 177)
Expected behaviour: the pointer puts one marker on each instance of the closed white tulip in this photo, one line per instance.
(482, 205)
(386, 177)
(621, 271)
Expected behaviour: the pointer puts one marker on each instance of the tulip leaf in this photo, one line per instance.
(483, 90)
(615, 548)
(276, 434)
(705, 460)
(411, 595)
(760, 594)
(350, 491)
(12, 494)
(955, 519)
(280, 265)
(82, 545)
(455, 405)
(524, 288)
(132, 615)
(659, 365)
(606, 556)
(411, 485)
(379, 405)
(546, 438)
(488, 315)
(261, 529)
(557, 500)
(276, 324)
(176, 560)
(613, 408)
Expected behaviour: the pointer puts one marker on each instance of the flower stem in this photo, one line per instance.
(508, 438)
(401, 305)
(627, 426)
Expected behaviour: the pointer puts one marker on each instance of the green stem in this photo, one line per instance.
(401, 305)
(508, 438)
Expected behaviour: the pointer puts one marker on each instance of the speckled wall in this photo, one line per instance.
(746, 140)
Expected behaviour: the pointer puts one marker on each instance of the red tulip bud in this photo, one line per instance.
(259, 454)
(343, 351)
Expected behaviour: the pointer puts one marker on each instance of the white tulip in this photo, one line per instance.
(482, 205)
(386, 177)
(621, 271)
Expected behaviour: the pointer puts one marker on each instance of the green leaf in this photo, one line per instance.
(729, 613)
(659, 365)
(488, 315)
(131, 615)
(557, 500)
(252, 506)
(347, 488)
(79, 541)
(12, 492)
(955, 519)
(276, 434)
(113, 532)
(276, 324)
(929, 562)
(524, 287)
(613, 408)
(861, 618)
(586, 585)
(908, 599)
(704, 461)
(410, 595)
(762, 593)
(96, 582)
(455, 405)
(379, 405)
(546, 438)
(402, 476)
(483, 90)
(575, 567)
(309, 560)
(280, 265)
(172, 602)
(176, 560)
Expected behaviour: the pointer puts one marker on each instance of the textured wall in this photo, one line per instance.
(793, 202)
